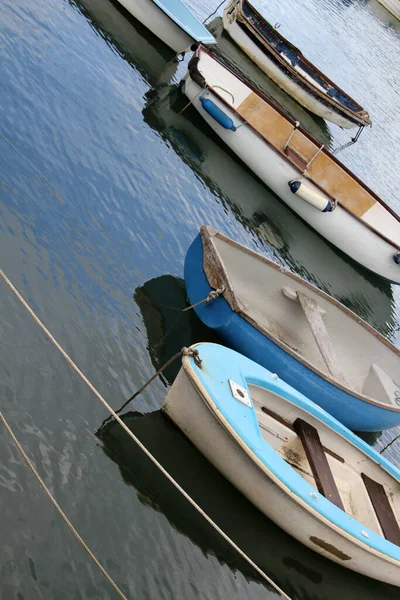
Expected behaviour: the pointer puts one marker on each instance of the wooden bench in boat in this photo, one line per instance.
(383, 510)
(316, 457)
(313, 313)
(289, 425)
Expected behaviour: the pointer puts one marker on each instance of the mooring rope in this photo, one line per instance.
(58, 507)
(141, 446)
(211, 296)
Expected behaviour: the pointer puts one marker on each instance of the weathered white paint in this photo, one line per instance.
(270, 297)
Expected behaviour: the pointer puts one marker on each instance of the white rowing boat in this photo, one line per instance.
(304, 174)
(289, 68)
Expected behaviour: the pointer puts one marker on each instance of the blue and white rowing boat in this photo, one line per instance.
(292, 460)
(289, 326)
(171, 21)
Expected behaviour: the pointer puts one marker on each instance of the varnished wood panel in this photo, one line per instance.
(323, 171)
(266, 120)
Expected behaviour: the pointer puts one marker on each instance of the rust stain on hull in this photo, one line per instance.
(329, 548)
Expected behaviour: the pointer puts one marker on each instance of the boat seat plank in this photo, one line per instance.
(383, 510)
(289, 425)
(318, 462)
(325, 345)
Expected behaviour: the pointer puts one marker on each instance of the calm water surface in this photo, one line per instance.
(103, 185)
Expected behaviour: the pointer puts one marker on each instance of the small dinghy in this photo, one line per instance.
(289, 326)
(304, 174)
(171, 21)
(287, 66)
(292, 460)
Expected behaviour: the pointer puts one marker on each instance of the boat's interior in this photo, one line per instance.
(298, 148)
(295, 58)
(330, 463)
(308, 323)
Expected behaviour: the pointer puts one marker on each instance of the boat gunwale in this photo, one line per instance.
(305, 133)
(207, 234)
(366, 120)
(188, 367)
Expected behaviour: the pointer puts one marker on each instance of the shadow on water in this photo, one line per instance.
(161, 302)
(275, 229)
(300, 572)
(137, 45)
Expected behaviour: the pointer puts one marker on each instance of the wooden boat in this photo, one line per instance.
(312, 182)
(392, 6)
(287, 66)
(171, 21)
(292, 460)
(292, 328)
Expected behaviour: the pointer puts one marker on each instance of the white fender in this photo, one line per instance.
(306, 193)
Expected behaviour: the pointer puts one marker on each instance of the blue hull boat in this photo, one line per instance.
(295, 462)
(292, 328)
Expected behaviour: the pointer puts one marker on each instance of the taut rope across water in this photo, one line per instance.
(141, 446)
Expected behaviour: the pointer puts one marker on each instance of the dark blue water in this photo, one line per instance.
(103, 185)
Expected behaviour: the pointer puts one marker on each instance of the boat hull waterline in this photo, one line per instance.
(355, 236)
(191, 406)
(307, 92)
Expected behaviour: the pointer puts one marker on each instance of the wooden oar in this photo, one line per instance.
(314, 313)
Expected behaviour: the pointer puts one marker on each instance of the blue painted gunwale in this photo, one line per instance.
(183, 16)
(239, 334)
(220, 364)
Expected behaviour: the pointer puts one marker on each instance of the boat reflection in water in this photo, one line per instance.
(275, 229)
(303, 574)
(169, 329)
(137, 45)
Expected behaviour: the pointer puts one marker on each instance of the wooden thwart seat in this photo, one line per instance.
(313, 313)
(318, 462)
(383, 510)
